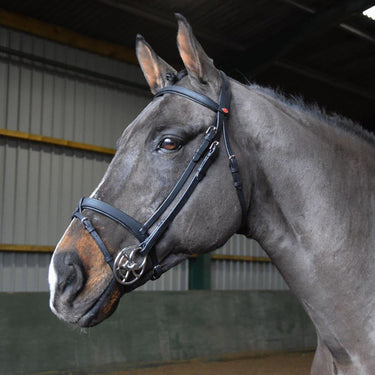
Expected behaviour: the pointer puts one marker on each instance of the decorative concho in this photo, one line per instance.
(129, 266)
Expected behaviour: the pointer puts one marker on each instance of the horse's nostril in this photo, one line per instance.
(70, 276)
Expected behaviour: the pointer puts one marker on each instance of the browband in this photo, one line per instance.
(192, 95)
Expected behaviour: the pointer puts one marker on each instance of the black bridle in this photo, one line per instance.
(130, 263)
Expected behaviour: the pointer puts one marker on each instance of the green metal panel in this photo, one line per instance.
(149, 327)
(200, 272)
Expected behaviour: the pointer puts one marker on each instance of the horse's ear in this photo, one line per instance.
(154, 68)
(198, 65)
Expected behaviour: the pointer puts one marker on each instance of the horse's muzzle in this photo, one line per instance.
(70, 276)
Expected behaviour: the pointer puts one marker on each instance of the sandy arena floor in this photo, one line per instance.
(275, 364)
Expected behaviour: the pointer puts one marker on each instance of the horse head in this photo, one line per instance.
(137, 218)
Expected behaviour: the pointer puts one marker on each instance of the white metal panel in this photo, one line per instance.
(175, 279)
(55, 103)
(41, 185)
(23, 272)
(234, 274)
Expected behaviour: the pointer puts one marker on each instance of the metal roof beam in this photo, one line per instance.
(151, 15)
(345, 26)
(258, 58)
(321, 77)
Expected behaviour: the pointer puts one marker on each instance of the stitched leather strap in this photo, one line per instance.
(113, 213)
(237, 181)
(210, 135)
(94, 234)
(151, 240)
(192, 95)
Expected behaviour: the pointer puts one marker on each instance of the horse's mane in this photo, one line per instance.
(333, 119)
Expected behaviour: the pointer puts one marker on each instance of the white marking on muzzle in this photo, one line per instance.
(52, 281)
(52, 276)
(98, 187)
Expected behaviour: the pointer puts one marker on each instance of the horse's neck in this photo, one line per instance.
(312, 199)
(311, 180)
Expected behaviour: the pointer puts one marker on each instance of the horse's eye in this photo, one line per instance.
(170, 144)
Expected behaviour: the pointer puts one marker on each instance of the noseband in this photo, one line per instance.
(130, 263)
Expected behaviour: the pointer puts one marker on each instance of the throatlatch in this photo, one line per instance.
(131, 262)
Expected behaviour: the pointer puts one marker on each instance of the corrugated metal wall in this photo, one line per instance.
(240, 275)
(40, 184)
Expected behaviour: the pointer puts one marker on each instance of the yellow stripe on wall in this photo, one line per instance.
(56, 141)
(240, 258)
(27, 248)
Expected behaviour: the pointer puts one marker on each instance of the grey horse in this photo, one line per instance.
(309, 187)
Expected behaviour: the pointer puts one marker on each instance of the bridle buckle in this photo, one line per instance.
(211, 129)
(213, 146)
(129, 265)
